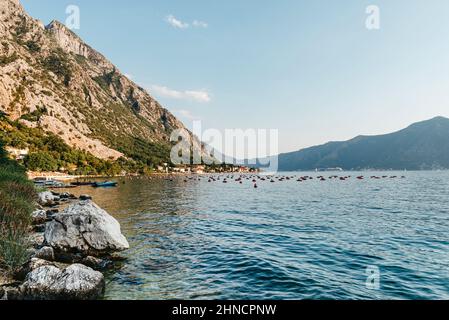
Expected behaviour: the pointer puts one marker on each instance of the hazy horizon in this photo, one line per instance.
(315, 72)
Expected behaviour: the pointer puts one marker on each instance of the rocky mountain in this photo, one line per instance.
(421, 146)
(51, 79)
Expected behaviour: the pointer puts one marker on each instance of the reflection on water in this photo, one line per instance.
(284, 240)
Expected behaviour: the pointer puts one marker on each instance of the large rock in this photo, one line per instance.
(77, 282)
(87, 229)
(45, 253)
(31, 265)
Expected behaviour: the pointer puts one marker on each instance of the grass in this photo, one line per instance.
(17, 202)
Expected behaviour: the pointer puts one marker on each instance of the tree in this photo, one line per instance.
(41, 161)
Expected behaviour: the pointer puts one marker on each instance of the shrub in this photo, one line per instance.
(17, 200)
(13, 248)
(32, 46)
(5, 60)
(41, 161)
(59, 66)
(22, 28)
(15, 210)
(36, 115)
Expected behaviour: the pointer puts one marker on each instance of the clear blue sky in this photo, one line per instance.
(309, 68)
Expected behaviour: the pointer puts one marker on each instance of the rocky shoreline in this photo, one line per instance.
(70, 248)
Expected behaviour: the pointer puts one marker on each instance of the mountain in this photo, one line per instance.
(53, 81)
(423, 145)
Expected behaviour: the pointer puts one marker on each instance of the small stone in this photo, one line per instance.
(85, 197)
(116, 257)
(65, 195)
(45, 253)
(46, 198)
(12, 294)
(36, 263)
(39, 217)
(51, 213)
(31, 251)
(96, 263)
(39, 228)
(67, 257)
(37, 239)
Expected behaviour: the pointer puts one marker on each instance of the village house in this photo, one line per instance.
(180, 169)
(162, 169)
(199, 169)
(17, 154)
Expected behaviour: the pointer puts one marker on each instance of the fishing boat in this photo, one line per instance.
(52, 184)
(48, 183)
(105, 184)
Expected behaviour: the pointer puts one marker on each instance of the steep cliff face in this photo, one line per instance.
(51, 79)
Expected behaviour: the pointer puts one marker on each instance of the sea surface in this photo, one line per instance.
(354, 239)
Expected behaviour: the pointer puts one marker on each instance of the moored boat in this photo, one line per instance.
(105, 184)
(52, 184)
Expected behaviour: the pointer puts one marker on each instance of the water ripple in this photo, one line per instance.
(289, 240)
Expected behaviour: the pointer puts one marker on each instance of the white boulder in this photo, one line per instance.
(87, 229)
(47, 198)
(76, 282)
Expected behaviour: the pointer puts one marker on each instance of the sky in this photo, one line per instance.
(309, 68)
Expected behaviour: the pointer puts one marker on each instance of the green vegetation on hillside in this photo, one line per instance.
(59, 65)
(143, 152)
(5, 60)
(17, 198)
(32, 46)
(48, 152)
(36, 115)
(108, 79)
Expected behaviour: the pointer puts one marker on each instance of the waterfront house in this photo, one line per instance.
(17, 154)
(199, 169)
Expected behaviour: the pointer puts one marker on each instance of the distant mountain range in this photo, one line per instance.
(421, 146)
